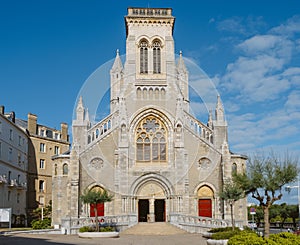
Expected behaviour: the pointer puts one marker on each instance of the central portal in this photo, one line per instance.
(151, 202)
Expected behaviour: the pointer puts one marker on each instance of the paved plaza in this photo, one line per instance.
(27, 239)
(141, 234)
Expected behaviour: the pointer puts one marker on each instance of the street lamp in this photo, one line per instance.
(288, 188)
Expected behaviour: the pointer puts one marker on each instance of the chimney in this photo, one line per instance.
(31, 124)
(2, 109)
(64, 131)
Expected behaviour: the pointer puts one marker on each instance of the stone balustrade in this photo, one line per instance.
(102, 128)
(198, 128)
(198, 224)
(121, 222)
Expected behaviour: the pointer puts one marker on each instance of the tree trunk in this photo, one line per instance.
(231, 214)
(267, 223)
(96, 217)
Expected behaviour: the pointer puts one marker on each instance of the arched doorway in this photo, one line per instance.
(152, 193)
(205, 201)
(151, 202)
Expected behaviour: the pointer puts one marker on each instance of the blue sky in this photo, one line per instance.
(250, 49)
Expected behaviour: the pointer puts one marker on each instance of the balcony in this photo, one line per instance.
(12, 183)
(3, 179)
(22, 186)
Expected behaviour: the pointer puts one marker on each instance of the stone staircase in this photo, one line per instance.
(157, 228)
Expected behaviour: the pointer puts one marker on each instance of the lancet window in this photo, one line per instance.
(156, 57)
(143, 57)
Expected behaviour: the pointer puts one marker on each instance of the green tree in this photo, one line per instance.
(293, 212)
(265, 178)
(95, 197)
(47, 212)
(231, 193)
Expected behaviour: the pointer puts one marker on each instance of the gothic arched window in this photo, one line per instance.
(234, 169)
(143, 56)
(156, 57)
(151, 140)
(65, 169)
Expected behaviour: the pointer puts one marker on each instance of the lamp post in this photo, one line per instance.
(288, 188)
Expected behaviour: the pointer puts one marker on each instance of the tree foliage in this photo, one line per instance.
(95, 197)
(265, 178)
(231, 193)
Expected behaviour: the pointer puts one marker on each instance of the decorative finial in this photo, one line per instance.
(180, 53)
(117, 51)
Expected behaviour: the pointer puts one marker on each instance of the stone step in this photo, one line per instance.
(157, 228)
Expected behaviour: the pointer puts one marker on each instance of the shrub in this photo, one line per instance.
(285, 238)
(93, 229)
(215, 230)
(250, 238)
(247, 238)
(225, 234)
(41, 224)
(106, 229)
(86, 229)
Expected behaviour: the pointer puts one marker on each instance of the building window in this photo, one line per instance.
(65, 169)
(18, 180)
(42, 186)
(156, 57)
(56, 136)
(0, 149)
(144, 57)
(8, 195)
(19, 158)
(151, 138)
(42, 147)
(9, 176)
(234, 169)
(42, 163)
(10, 154)
(10, 134)
(42, 132)
(56, 150)
(41, 200)
(55, 169)
(18, 198)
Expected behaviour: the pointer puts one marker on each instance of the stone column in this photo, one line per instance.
(151, 216)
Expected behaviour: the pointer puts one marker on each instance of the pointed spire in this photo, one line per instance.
(117, 66)
(87, 115)
(181, 65)
(210, 119)
(80, 109)
(219, 110)
(80, 102)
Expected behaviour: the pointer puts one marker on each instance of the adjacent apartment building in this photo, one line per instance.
(44, 142)
(13, 167)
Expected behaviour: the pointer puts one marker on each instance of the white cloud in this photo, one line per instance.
(293, 102)
(289, 28)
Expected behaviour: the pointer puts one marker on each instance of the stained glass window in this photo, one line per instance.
(151, 140)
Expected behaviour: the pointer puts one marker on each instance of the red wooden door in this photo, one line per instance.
(100, 209)
(205, 208)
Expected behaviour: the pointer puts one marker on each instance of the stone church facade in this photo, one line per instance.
(149, 152)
